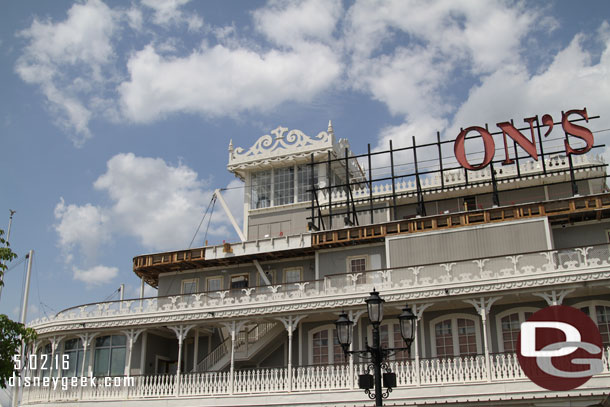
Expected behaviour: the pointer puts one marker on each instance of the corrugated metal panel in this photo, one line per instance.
(469, 243)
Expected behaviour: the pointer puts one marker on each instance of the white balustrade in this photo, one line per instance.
(433, 372)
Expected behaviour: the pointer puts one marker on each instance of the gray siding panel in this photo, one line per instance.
(469, 243)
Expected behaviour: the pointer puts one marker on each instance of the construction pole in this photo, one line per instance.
(24, 311)
(8, 236)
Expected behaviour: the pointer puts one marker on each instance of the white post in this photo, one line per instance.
(232, 372)
(290, 360)
(181, 331)
(143, 353)
(132, 337)
(418, 310)
(483, 305)
(24, 310)
(195, 349)
(290, 323)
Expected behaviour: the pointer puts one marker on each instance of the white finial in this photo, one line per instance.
(330, 128)
(231, 145)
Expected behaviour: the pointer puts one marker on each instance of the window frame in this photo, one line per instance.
(591, 304)
(394, 338)
(288, 269)
(188, 281)
(111, 347)
(207, 282)
(232, 276)
(349, 260)
(519, 310)
(269, 199)
(330, 328)
(454, 333)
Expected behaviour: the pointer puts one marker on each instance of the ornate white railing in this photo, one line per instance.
(483, 272)
(432, 372)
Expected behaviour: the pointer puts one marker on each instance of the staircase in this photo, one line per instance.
(247, 344)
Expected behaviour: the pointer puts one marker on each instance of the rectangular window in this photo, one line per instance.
(283, 186)
(292, 275)
(214, 283)
(190, 286)
(444, 338)
(260, 191)
(304, 182)
(357, 264)
(240, 281)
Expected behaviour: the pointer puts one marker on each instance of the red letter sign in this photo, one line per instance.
(512, 132)
(577, 131)
(460, 151)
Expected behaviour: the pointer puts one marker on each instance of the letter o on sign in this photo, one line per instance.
(460, 152)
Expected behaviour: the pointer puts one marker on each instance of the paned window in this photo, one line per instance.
(260, 192)
(357, 265)
(214, 283)
(283, 188)
(190, 286)
(600, 314)
(390, 337)
(292, 275)
(304, 182)
(320, 347)
(444, 338)
(338, 355)
(75, 351)
(510, 328)
(455, 336)
(109, 356)
(240, 281)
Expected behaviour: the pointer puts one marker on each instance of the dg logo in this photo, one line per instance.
(560, 348)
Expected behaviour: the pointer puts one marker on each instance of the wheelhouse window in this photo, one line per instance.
(283, 186)
(261, 189)
(304, 185)
(356, 264)
(109, 356)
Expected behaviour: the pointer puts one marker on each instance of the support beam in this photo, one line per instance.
(240, 233)
(233, 328)
(353, 316)
(261, 272)
(181, 331)
(132, 336)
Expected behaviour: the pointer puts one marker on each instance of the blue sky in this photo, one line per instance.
(116, 116)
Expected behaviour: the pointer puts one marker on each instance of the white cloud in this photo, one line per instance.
(168, 12)
(292, 23)
(571, 81)
(219, 81)
(83, 228)
(79, 46)
(97, 275)
(157, 203)
(153, 201)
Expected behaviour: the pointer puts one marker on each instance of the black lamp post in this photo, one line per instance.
(376, 353)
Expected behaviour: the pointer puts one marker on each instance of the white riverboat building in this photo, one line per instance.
(473, 252)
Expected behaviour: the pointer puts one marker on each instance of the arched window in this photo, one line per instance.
(109, 356)
(508, 326)
(324, 346)
(455, 335)
(599, 312)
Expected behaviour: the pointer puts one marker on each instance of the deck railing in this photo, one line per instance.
(431, 372)
(405, 279)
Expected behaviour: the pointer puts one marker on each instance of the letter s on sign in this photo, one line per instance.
(460, 151)
(577, 131)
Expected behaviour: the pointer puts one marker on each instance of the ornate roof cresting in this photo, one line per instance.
(280, 143)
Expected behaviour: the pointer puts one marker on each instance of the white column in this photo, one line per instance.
(354, 316)
(181, 331)
(132, 337)
(234, 328)
(418, 310)
(143, 353)
(483, 305)
(55, 341)
(195, 349)
(290, 323)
